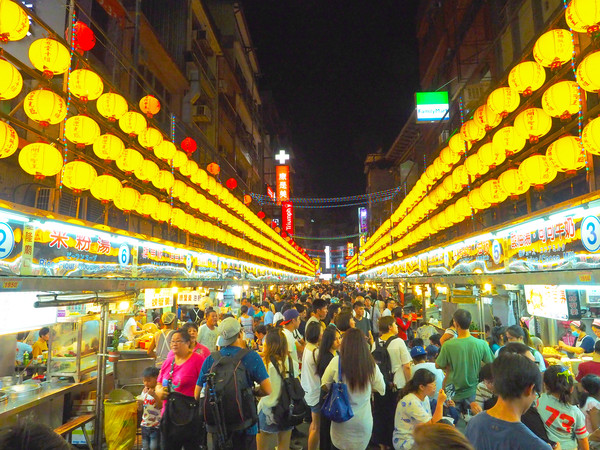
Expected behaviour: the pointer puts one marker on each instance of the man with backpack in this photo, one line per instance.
(392, 357)
(224, 389)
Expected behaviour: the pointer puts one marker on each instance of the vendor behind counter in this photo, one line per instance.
(41, 345)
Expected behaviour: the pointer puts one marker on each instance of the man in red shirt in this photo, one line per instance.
(590, 367)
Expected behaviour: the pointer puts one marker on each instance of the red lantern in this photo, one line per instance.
(261, 215)
(84, 37)
(189, 145)
(283, 234)
(213, 169)
(231, 184)
(247, 199)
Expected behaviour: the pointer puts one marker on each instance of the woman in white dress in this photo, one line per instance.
(362, 376)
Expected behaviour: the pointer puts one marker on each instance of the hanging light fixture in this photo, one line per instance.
(189, 145)
(11, 81)
(165, 150)
(163, 180)
(509, 140)
(146, 205)
(81, 130)
(150, 138)
(590, 137)
(85, 85)
(512, 182)
(486, 118)
(162, 213)
(537, 171)
(475, 166)
(588, 73)
(41, 160)
(127, 199)
(491, 155)
(213, 169)
(189, 169)
(9, 140)
(504, 100)
(49, 57)
(458, 144)
(111, 106)
(472, 132)
(45, 107)
(492, 192)
(561, 100)
(583, 16)
(147, 171)
(179, 159)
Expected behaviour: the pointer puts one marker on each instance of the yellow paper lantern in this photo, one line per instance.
(512, 183)
(588, 73)
(460, 177)
(486, 118)
(190, 223)
(106, 188)
(583, 16)
(591, 136)
(448, 157)
(566, 155)
(536, 171)
(472, 132)
(15, 23)
(41, 160)
(11, 81)
(129, 160)
(189, 168)
(491, 155)
(527, 77)
(45, 107)
(150, 138)
(554, 48)
(162, 213)
(458, 144)
(78, 176)
(132, 123)
(163, 180)
(108, 147)
(508, 140)
(149, 105)
(179, 189)
(200, 227)
(429, 174)
(165, 150)
(146, 205)
(504, 100)
(475, 166)
(438, 165)
(212, 186)
(147, 171)
(85, 85)
(200, 202)
(81, 130)
(449, 185)
(178, 218)
(532, 124)
(179, 159)
(127, 199)
(561, 100)
(493, 192)
(111, 106)
(9, 140)
(463, 208)
(477, 201)
(49, 57)
(189, 195)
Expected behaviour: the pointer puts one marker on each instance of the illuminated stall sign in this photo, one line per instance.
(11, 246)
(271, 193)
(287, 217)
(282, 173)
(231, 269)
(67, 251)
(158, 298)
(155, 259)
(485, 256)
(188, 298)
(350, 250)
(547, 301)
(207, 267)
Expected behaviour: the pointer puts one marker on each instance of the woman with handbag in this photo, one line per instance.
(361, 376)
(330, 344)
(276, 352)
(181, 425)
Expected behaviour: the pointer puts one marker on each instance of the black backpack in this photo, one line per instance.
(382, 358)
(291, 408)
(228, 402)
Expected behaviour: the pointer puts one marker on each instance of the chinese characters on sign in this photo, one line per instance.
(287, 217)
(282, 174)
(188, 298)
(158, 298)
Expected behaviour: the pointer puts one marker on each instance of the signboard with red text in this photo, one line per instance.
(271, 193)
(287, 217)
(282, 174)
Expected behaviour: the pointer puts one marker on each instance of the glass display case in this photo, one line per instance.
(74, 344)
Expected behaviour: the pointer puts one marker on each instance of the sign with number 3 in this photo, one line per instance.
(590, 233)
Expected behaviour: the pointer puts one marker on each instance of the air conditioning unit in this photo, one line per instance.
(201, 113)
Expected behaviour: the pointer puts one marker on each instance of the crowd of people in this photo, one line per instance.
(248, 381)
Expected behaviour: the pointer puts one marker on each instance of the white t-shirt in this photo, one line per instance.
(410, 412)
(590, 403)
(386, 312)
(277, 317)
(291, 342)
(439, 375)
(208, 337)
(151, 414)
(130, 328)
(311, 382)
(399, 356)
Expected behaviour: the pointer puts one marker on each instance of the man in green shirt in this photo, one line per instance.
(461, 359)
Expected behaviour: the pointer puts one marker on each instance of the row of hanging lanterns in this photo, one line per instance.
(566, 154)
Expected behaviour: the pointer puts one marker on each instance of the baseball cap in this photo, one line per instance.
(228, 330)
(417, 351)
(290, 315)
(432, 350)
(168, 318)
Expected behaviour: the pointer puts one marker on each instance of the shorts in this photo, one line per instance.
(316, 409)
(266, 424)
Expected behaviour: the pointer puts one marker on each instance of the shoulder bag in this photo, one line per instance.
(336, 406)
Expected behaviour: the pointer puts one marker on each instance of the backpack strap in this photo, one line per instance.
(276, 366)
(340, 368)
(389, 341)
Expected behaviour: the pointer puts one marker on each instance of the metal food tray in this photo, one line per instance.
(21, 390)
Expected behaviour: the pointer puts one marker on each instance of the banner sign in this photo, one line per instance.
(271, 193)
(188, 298)
(363, 226)
(287, 217)
(350, 250)
(158, 298)
(282, 174)
(11, 242)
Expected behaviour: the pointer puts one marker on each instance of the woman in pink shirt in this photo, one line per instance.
(179, 373)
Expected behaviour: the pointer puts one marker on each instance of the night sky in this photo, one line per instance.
(343, 75)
